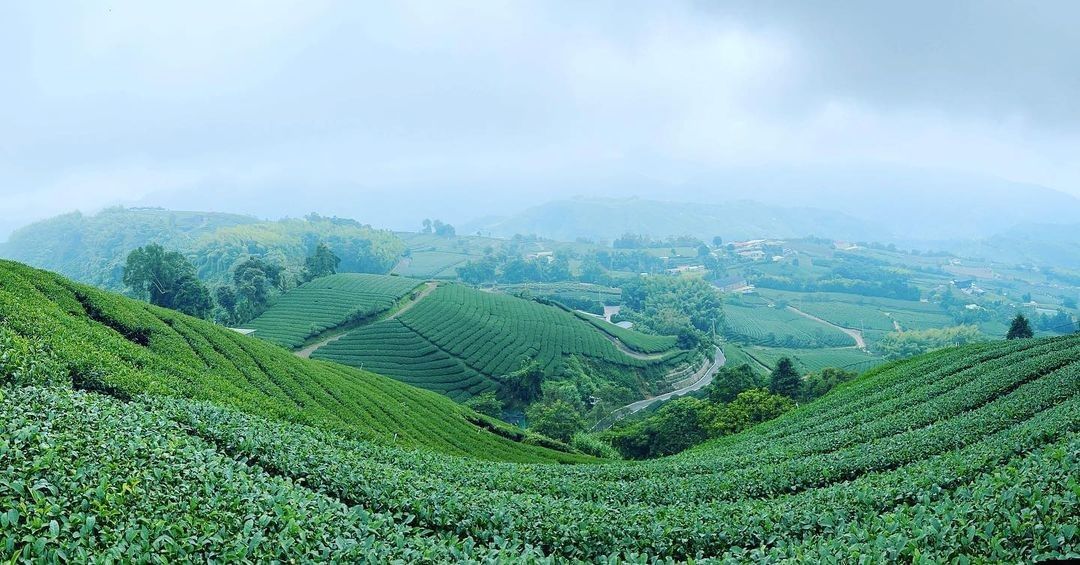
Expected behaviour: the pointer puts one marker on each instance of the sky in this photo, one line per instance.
(393, 111)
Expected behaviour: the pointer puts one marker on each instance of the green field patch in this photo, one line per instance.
(327, 303)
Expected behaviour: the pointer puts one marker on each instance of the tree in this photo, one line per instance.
(524, 384)
(817, 384)
(478, 272)
(717, 241)
(749, 407)
(486, 404)
(785, 380)
(729, 382)
(167, 279)
(254, 278)
(556, 420)
(1020, 328)
(227, 302)
(320, 264)
(427, 226)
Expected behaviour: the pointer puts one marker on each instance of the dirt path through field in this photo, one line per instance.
(307, 351)
(855, 334)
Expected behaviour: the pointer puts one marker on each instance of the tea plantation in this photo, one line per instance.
(459, 341)
(327, 303)
(129, 432)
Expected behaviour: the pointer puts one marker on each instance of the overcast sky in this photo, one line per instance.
(181, 103)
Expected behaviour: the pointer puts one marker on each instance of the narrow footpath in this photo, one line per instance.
(307, 351)
(855, 334)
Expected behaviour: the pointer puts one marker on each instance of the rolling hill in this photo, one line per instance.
(965, 454)
(462, 342)
(327, 303)
(93, 248)
(126, 348)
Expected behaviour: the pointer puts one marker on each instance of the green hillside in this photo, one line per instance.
(967, 454)
(329, 302)
(93, 249)
(461, 342)
(106, 342)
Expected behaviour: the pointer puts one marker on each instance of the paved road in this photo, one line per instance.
(307, 351)
(855, 334)
(702, 382)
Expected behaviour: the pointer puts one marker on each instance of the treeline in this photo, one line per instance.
(848, 273)
(168, 279)
(94, 249)
(737, 398)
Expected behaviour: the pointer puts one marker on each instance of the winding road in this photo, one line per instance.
(703, 381)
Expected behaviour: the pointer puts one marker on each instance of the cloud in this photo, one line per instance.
(137, 100)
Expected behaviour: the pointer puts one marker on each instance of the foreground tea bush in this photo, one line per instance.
(967, 454)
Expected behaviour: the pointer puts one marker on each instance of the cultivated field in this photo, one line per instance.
(329, 302)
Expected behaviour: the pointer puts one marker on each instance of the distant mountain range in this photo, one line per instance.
(604, 219)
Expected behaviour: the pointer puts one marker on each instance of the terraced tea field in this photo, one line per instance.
(967, 454)
(329, 302)
(110, 343)
(813, 360)
(779, 327)
(460, 341)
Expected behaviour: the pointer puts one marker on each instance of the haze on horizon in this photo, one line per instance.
(390, 112)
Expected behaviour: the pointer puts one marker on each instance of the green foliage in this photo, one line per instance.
(486, 404)
(591, 445)
(785, 379)
(168, 280)
(906, 344)
(1020, 328)
(731, 380)
(555, 419)
(127, 348)
(668, 305)
(329, 302)
(93, 249)
(749, 407)
(320, 264)
(965, 454)
(674, 427)
(779, 327)
(463, 342)
(819, 383)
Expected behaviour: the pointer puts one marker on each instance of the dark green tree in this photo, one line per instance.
(321, 263)
(254, 278)
(524, 385)
(785, 380)
(730, 381)
(486, 404)
(556, 420)
(167, 279)
(1020, 328)
(227, 303)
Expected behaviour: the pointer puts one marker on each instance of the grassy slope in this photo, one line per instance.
(329, 302)
(128, 348)
(966, 452)
(459, 341)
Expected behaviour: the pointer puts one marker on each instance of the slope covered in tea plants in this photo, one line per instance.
(124, 347)
(966, 453)
(329, 302)
(461, 342)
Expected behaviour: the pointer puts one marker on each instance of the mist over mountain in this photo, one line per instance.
(604, 219)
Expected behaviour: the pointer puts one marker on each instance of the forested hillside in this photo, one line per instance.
(93, 249)
(965, 454)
